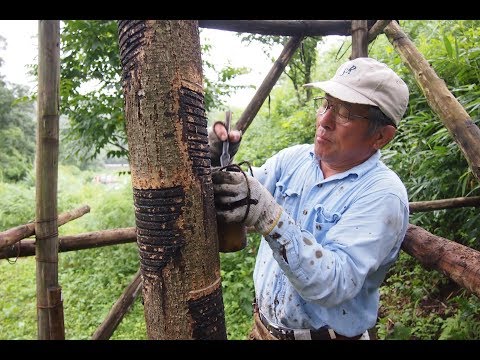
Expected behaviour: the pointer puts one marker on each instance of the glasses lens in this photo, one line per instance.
(321, 104)
(342, 111)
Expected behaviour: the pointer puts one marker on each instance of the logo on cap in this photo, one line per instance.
(348, 71)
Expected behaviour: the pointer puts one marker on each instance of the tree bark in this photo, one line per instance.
(171, 178)
(440, 99)
(458, 262)
(119, 309)
(13, 235)
(270, 80)
(282, 27)
(46, 227)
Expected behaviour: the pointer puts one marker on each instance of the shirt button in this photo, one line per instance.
(320, 185)
(305, 212)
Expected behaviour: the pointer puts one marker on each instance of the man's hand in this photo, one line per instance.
(216, 135)
(231, 191)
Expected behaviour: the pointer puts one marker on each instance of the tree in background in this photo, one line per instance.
(17, 130)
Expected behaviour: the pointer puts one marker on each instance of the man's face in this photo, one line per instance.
(340, 142)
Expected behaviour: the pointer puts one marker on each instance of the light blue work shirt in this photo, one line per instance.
(340, 235)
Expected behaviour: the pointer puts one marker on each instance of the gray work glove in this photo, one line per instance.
(216, 146)
(231, 199)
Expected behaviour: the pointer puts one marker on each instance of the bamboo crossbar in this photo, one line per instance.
(267, 84)
(377, 29)
(13, 235)
(282, 27)
(74, 242)
(422, 206)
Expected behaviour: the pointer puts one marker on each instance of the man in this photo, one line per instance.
(332, 215)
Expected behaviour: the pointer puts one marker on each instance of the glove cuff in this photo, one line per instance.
(266, 228)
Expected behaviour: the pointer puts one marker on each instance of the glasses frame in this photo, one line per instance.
(335, 106)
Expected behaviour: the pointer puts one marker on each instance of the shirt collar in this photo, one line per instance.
(357, 170)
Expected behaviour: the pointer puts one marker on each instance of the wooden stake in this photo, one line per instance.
(270, 80)
(119, 309)
(359, 39)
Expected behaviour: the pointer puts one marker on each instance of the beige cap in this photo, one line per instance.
(368, 81)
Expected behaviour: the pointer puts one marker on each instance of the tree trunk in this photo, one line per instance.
(49, 313)
(171, 178)
(458, 262)
(440, 99)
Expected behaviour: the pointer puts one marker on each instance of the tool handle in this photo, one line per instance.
(228, 119)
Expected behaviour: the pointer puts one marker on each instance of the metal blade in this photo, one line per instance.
(225, 158)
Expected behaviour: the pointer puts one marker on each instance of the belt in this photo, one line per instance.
(324, 333)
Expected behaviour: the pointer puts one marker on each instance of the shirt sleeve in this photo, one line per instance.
(368, 235)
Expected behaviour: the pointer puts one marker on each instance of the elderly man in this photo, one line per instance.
(332, 214)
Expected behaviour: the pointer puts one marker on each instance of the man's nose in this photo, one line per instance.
(326, 120)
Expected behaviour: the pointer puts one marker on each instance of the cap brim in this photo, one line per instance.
(341, 92)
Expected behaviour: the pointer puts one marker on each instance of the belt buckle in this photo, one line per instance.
(275, 329)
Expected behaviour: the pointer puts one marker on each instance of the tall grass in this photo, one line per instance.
(91, 279)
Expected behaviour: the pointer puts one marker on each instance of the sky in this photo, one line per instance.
(22, 49)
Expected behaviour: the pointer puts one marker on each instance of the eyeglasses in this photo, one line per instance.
(322, 104)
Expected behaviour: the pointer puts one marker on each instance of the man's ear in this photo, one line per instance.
(383, 136)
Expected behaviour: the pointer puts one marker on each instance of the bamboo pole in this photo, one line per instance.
(55, 304)
(13, 235)
(46, 227)
(458, 262)
(377, 29)
(256, 103)
(440, 99)
(75, 242)
(359, 39)
(119, 309)
(459, 202)
(282, 27)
